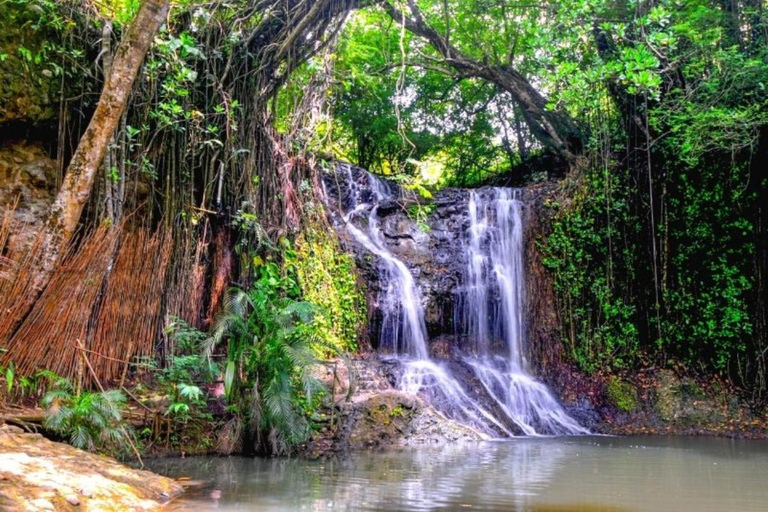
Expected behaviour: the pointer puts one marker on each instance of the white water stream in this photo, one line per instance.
(493, 311)
(495, 264)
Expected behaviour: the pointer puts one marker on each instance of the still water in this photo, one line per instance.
(557, 474)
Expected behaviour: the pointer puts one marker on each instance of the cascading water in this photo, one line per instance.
(513, 401)
(492, 311)
(403, 330)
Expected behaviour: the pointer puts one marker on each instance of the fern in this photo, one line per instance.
(88, 420)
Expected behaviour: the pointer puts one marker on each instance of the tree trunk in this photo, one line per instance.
(82, 170)
(732, 21)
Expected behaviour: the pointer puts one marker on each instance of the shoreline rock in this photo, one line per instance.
(379, 417)
(37, 474)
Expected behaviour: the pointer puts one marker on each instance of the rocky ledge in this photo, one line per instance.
(37, 475)
(376, 416)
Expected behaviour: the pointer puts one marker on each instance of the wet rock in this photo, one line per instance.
(443, 347)
(378, 416)
(683, 402)
(392, 419)
(431, 249)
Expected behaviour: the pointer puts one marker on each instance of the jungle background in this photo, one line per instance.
(650, 116)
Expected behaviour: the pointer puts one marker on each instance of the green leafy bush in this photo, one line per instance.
(88, 420)
(267, 376)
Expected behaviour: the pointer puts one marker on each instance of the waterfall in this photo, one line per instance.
(403, 329)
(492, 312)
(505, 399)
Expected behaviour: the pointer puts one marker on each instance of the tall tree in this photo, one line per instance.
(82, 169)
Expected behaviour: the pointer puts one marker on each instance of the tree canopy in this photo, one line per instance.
(654, 113)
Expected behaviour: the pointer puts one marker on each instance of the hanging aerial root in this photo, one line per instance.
(46, 338)
(130, 316)
(115, 313)
(222, 272)
(15, 274)
(187, 277)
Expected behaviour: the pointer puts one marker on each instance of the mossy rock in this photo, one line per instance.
(26, 85)
(681, 401)
(33, 44)
(622, 394)
(382, 420)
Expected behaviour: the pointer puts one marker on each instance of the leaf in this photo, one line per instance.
(9, 376)
(229, 378)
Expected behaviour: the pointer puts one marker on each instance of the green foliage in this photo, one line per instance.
(122, 11)
(267, 374)
(419, 212)
(327, 277)
(654, 253)
(88, 420)
(253, 237)
(35, 61)
(409, 121)
(17, 386)
(622, 394)
(707, 302)
(593, 262)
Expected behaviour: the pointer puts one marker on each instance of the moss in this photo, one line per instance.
(46, 52)
(328, 277)
(27, 85)
(622, 394)
(397, 411)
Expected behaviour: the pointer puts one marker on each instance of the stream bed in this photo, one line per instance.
(554, 474)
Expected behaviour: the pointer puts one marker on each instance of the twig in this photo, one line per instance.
(137, 400)
(98, 383)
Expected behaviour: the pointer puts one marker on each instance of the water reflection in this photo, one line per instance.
(522, 474)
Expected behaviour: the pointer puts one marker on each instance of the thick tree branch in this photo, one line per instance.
(554, 130)
(79, 178)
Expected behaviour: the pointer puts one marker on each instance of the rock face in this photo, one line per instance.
(27, 175)
(432, 249)
(377, 416)
(37, 474)
(28, 89)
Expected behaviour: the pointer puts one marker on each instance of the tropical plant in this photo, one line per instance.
(267, 376)
(88, 420)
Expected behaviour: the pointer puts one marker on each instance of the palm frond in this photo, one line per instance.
(58, 418)
(81, 438)
(55, 380)
(295, 313)
(255, 409)
(237, 302)
(311, 386)
(226, 325)
(230, 439)
(301, 356)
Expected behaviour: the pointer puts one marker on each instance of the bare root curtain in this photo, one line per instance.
(196, 141)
